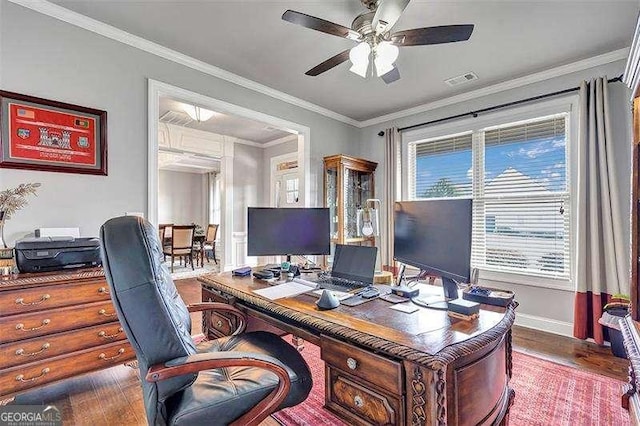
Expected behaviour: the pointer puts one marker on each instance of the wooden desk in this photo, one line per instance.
(54, 326)
(388, 367)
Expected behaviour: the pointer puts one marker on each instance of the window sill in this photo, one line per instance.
(528, 280)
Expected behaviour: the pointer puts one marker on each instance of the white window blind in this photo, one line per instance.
(518, 177)
(441, 167)
(521, 211)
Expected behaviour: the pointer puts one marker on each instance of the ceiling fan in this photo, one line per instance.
(372, 31)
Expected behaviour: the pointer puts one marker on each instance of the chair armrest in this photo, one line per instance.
(206, 361)
(217, 306)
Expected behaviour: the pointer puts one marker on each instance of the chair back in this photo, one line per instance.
(154, 317)
(182, 237)
(164, 231)
(212, 230)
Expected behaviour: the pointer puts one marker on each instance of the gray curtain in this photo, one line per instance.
(392, 191)
(601, 262)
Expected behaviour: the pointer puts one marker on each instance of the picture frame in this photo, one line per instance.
(47, 135)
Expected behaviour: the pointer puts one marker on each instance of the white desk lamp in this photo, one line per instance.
(368, 225)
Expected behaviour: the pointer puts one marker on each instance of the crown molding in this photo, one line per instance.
(584, 64)
(63, 14)
(58, 12)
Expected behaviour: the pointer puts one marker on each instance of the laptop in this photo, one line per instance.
(353, 266)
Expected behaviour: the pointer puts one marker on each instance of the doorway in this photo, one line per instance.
(235, 194)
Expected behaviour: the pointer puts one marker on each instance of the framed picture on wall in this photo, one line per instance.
(40, 134)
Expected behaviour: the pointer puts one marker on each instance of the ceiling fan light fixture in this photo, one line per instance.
(359, 57)
(382, 67)
(197, 113)
(387, 52)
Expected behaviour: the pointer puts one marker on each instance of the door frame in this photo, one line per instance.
(156, 89)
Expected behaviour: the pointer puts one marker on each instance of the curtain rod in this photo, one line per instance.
(508, 104)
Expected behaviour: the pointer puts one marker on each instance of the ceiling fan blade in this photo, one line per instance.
(391, 76)
(318, 24)
(387, 14)
(432, 35)
(329, 63)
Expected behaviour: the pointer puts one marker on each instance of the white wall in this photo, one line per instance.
(247, 183)
(553, 307)
(44, 57)
(182, 198)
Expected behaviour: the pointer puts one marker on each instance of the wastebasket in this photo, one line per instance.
(610, 320)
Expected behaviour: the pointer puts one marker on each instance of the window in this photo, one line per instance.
(517, 174)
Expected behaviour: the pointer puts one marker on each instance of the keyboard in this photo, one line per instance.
(339, 284)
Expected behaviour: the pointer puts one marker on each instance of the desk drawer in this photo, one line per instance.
(25, 326)
(52, 296)
(34, 374)
(219, 325)
(43, 347)
(359, 403)
(382, 372)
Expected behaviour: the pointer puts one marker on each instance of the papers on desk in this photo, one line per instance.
(279, 291)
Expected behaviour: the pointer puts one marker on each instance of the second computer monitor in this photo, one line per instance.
(288, 231)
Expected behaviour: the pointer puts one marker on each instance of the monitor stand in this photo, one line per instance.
(450, 290)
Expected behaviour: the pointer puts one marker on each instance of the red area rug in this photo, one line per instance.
(546, 394)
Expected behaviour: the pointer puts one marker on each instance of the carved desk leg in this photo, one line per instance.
(425, 406)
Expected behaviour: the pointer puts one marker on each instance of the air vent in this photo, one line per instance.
(178, 118)
(464, 78)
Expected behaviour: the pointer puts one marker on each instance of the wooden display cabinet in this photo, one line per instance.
(348, 183)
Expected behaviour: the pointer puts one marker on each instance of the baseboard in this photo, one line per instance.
(545, 324)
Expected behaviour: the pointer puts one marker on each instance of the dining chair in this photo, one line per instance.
(210, 242)
(236, 380)
(181, 244)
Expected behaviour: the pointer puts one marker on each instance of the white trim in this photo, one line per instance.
(82, 21)
(548, 325)
(595, 61)
(278, 141)
(106, 30)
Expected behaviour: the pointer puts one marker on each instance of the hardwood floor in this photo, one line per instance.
(113, 396)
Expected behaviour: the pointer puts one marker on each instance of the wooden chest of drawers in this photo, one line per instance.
(54, 326)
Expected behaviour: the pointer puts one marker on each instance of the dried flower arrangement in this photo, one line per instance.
(12, 200)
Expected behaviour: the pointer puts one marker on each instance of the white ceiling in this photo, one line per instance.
(512, 38)
(224, 124)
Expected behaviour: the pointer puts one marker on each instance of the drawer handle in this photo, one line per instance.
(358, 401)
(352, 363)
(20, 300)
(103, 290)
(219, 324)
(20, 377)
(20, 352)
(102, 356)
(104, 313)
(104, 334)
(20, 326)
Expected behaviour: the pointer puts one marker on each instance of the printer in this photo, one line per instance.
(56, 253)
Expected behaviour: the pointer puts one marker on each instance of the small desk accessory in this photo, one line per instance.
(242, 272)
(463, 307)
(263, 275)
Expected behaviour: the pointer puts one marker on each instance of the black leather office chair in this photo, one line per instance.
(237, 380)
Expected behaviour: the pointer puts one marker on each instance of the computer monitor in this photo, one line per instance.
(288, 231)
(435, 236)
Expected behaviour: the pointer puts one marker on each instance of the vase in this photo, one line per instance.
(3, 244)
